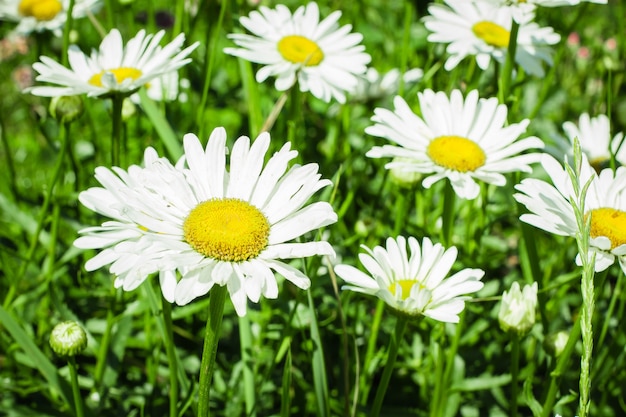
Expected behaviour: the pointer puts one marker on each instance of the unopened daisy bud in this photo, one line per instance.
(66, 109)
(68, 339)
(555, 343)
(401, 176)
(517, 311)
(128, 109)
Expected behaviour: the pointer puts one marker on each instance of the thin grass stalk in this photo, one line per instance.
(365, 380)
(320, 381)
(245, 346)
(506, 74)
(211, 338)
(447, 218)
(172, 360)
(515, 345)
(78, 399)
(69, 20)
(406, 38)
(392, 354)
(446, 380)
(116, 132)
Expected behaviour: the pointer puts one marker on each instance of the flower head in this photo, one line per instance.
(42, 15)
(461, 140)
(68, 339)
(482, 29)
(205, 223)
(322, 57)
(414, 282)
(517, 311)
(550, 208)
(114, 68)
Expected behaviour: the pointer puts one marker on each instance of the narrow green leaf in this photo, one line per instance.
(161, 125)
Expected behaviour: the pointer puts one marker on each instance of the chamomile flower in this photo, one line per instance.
(413, 282)
(322, 57)
(550, 208)
(114, 68)
(482, 29)
(44, 15)
(461, 140)
(594, 135)
(199, 224)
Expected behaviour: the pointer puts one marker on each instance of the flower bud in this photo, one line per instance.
(517, 311)
(68, 339)
(66, 109)
(401, 176)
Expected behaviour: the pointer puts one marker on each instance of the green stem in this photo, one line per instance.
(587, 289)
(209, 351)
(447, 218)
(392, 354)
(66, 32)
(170, 349)
(406, 37)
(245, 338)
(116, 133)
(106, 340)
(446, 380)
(78, 399)
(371, 350)
(515, 342)
(507, 71)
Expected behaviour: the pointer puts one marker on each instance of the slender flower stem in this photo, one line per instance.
(211, 338)
(364, 386)
(515, 342)
(116, 133)
(66, 32)
(446, 379)
(170, 349)
(78, 399)
(507, 71)
(245, 342)
(447, 218)
(392, 354)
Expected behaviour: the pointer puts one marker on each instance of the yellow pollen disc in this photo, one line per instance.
(42, 10)
(405, 285)
(610, 223)
(457, 153)
(120, 75)
(227, 229)
(300, 50)
(492, 33)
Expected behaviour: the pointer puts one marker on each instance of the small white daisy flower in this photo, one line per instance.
(594, 135)
(414, 283)
(550, 208)
(324, 58)
(517, 310)
(482, 29)
(114, 68)
(462, 140)
(208, 224)
(42, 15)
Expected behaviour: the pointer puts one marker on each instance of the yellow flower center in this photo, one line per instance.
(227, 229)
(611, 223)
(42, 10)
(492, 33)
(405, 286)
(120, 75)
(457, 153)
(300, 50)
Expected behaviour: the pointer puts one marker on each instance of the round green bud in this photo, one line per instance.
(68, 339)
(66, 109)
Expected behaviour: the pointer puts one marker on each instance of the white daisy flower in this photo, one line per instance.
(521, 8)
(550, 208)
(324, 58)
(208, 224)
(455, 139)
(482, 29)
(517, 310)
(373, 85)
(594, 135)
(114, 68)
(414, 283)
(42, 15)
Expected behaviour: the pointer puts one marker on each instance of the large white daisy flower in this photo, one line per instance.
(114, 68)
(482, 29)
(455, 139)
(200, 224)
(594, 135)
(42, 15)
(550, 208)
(414, 283)
(323, 57)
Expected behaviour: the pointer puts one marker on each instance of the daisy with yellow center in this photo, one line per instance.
(320, 56)
(114, 68)
(481, 28)
(413, 282)
(462, 140)
(605, 202)
(199, 224)
(44, 15)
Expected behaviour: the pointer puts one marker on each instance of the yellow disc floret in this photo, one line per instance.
(611, 223)
(120, 75)
(492, 33)
(300, 50)
(457, 153)
(405, 286)
(227, 229)
(42, 10)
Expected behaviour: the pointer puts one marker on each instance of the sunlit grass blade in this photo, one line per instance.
(320, 380)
